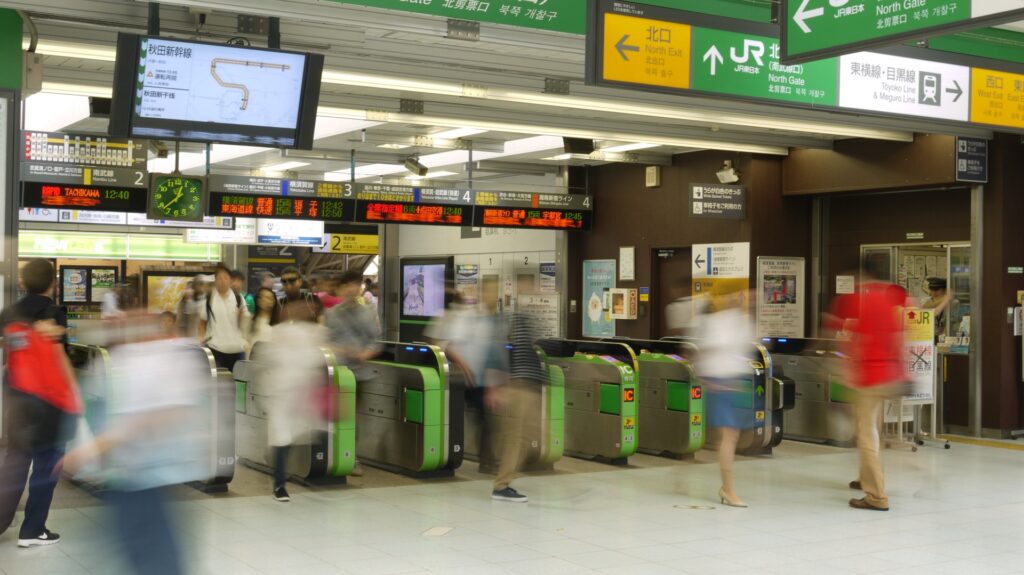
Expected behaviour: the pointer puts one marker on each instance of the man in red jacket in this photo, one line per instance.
(873, 318)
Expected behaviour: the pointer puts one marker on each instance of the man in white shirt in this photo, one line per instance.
(222, 321)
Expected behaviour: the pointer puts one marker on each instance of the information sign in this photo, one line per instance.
(289, 232)
(645, 51)
(384, 204)
(553, 15)
(100, 198)
(748, 65)
(895, 85)
(997, 98)
(364, 244)
(814, 29)
(93, 217)
(281, 207)
(244, 233)
(718, 201)
(276, 186)
(47, 147)
(972, 160)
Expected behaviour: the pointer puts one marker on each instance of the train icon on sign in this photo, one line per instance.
(930, 89)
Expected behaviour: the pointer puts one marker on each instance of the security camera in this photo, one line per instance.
(414, 166)
(728, 174)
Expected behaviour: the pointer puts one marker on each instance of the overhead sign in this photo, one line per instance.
(281, 207)
(244, 234)
(718, 201)
(655, 48)
(532, 210)
(813, 29)
(972, 160)
(48, 147)
(360, 244)
(73, 196)
(277, 186)
(554, 15)
(895, 85)
(385, 204)
(721, 260)
(289, 232)
(93, 217)
(209, 222)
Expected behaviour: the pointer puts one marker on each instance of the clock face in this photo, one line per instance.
(177, 198)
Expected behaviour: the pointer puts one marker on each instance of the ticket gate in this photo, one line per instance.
(410, 416)
(327, 455)
(93, 371)
(545, 449)
(601, 418)
(671, 401)
(824, 411)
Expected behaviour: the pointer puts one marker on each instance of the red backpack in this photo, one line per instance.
(37, 366)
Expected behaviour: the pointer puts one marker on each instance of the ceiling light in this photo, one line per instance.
(77, 89)
(284, 167)
(559, 158)
(69, 50)
(457, 133)
(395, 146)
(48, 112)
(431, 175)
(630, 147)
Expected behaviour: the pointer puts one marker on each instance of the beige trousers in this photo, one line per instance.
(516, 430)
(870, 402)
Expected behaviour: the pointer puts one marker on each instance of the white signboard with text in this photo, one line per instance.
(781, 289)
(896, 85)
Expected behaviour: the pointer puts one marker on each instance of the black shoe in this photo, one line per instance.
(281, 494)
(509, 494)
(856, 485)
(863, 504)
(47, 537)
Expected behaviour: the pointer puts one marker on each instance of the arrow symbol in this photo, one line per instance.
(760, 390)
(803, 15)
(959, 91)
(699, 261)
(716, 58)
(622, 47)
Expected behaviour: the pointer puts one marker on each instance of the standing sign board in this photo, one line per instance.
(972, 160)
(718, 201)
(781, 287)
(919, 340)
(598, 281)
(814, 29)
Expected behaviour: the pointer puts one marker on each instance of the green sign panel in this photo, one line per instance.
(556, 15)
(817, 28)
(747, 65)
(50, 244)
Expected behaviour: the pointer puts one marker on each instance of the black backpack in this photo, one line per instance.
(238, 302)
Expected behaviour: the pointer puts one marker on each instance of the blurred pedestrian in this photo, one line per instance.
(238, 286)
(292, 283)
(873, 319)
(268, 314)
(155, 438)
(111, 304)
(727, 336)
(370, 292)
(329, 296)
(518, 393)
(222, 321)
(41, 402)
(293, 369)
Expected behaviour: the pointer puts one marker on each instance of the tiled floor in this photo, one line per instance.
(954, 512)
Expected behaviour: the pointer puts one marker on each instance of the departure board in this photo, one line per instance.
(98, 198)
(537, 218)
(393, 204)
(282, 207)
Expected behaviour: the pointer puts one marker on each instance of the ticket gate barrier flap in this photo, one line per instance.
(601, 413)
(326, 454)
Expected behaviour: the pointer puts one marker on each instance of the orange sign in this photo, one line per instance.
(997, 98)
(647, 52)
(628, 395)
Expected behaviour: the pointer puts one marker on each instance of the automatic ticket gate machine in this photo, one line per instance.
(329, 454)
(601, 416)
(671, 398)
(544, 450)
(94, 373)
(824, 410)
(409, 414)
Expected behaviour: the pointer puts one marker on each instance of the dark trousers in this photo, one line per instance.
(14, 473)
(475, 398)
(226, 360)
(280, 465)
(147, 533)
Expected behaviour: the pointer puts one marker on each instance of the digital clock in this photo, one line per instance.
(177, 198)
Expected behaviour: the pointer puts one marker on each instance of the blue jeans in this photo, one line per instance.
(147, 532)
(13, 475)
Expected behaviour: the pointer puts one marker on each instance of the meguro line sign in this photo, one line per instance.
(814, 29)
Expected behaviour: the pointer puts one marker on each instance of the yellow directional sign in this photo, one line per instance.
(997, 98)
(352, 244)
(645, 51)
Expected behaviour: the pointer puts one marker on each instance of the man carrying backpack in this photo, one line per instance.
(41, 402)
(222, 321)
(291, 284)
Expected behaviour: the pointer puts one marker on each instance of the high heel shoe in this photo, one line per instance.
(725, 501)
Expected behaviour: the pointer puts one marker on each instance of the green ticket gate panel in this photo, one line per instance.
(329, 455)
(671, 399)
(600, 389)
(410, 418)
(823, 410)
(764, 395)
(544, 450)
(94, 371)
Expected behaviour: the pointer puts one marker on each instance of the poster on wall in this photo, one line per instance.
(467, 282)
(423, 290)
(548, 277)
(163, 291)
(919, 339)
(74, 285)
(101, 281)
(780, 297)
(545, 309)
(719, 269)
(598, 281)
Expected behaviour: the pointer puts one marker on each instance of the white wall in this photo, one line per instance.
(437, 241)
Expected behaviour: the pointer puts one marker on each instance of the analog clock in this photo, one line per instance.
(177, 197)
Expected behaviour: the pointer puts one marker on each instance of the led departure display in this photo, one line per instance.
(71, 196)
(282, 207)
(410, 213)
(538, 218)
